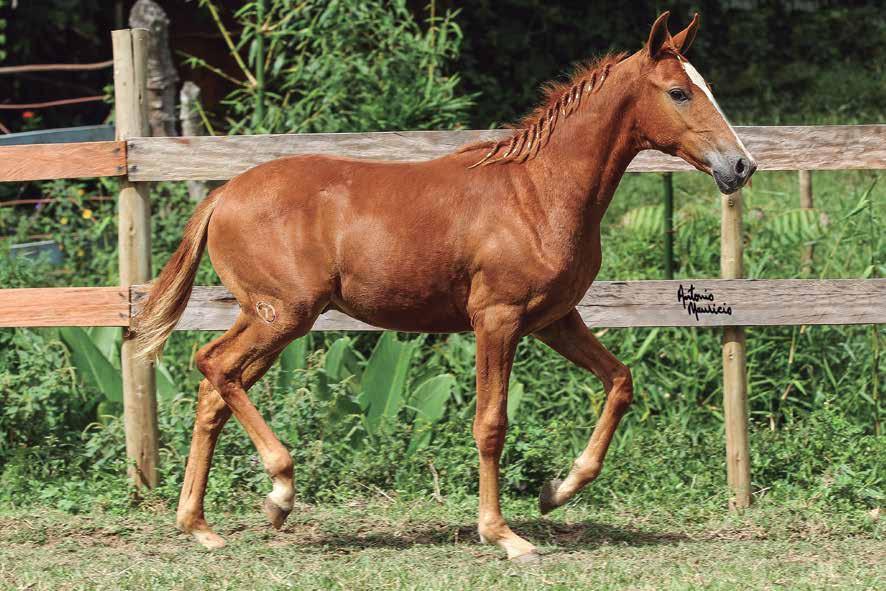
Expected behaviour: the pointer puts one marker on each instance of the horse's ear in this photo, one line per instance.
(684, 38)
(659, 35)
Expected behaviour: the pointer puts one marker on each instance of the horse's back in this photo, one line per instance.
(386, 240)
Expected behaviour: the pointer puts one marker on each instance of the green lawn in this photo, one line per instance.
(385, 544)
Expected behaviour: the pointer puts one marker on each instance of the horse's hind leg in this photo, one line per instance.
(211, 416)
(225, 362)
(574, 341)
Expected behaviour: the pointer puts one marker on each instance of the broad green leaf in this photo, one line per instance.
(293, 357)
(341, 361)
(384, 379)
(92, 364)
(515, 397)
(429, 401)
(107, 339)
(166, 387)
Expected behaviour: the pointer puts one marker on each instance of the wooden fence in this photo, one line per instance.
(140, 160)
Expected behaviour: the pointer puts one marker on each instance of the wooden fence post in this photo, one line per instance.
(735, 379)
(668, 179)
(134, 236)
(806, 203)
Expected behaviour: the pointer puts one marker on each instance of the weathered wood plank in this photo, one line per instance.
(643, 303)
(64, 306)
(62, 161)
(827, 147)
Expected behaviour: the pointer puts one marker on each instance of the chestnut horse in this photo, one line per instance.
(499, 238)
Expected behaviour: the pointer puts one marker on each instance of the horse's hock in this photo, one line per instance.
(730, 302)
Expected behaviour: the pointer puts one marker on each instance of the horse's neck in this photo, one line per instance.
(584, 161)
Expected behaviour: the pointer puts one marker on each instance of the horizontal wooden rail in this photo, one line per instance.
(740, 302)
(62, 161)
(736, 302)
(828, 147)
(64, 306)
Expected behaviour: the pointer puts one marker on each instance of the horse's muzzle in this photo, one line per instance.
(732, 172)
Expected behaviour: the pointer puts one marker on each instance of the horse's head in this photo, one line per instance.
(677, 114)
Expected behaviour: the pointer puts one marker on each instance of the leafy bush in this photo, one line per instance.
(348, 65)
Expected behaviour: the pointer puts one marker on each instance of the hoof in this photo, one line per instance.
(209, 539)
(276, 515)
(546, 502)
(528, 558)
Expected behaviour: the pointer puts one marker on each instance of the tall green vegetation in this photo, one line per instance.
(347, 65)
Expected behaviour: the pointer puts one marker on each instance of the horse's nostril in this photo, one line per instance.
(741, 167)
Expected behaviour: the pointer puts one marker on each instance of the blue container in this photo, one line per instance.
(43, 249)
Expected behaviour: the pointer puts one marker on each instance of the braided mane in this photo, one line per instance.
(561, 99)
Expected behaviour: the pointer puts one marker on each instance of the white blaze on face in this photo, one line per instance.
(697, 80)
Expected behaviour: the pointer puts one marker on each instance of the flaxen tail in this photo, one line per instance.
(170, 291)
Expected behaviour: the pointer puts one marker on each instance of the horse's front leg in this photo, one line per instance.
(497, 331)
(573, 340)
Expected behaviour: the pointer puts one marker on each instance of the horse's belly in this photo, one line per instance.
(408, 308)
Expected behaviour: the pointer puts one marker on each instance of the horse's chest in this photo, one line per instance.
(563, 286)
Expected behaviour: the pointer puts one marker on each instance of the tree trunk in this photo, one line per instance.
(162, 76)
(191, 126)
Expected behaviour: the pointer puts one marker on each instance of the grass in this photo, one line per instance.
(394, 544)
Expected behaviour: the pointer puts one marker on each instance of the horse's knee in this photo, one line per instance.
(220, 376)
(621, 393)
(205, 362)
(489, 434)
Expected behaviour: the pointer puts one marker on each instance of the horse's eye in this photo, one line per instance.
(678, 95)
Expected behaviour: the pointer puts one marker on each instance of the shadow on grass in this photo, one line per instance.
(576, 536)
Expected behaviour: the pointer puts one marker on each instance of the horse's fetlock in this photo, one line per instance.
(279, 464)
(186, 522)
(587, 471)
(491, 529)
